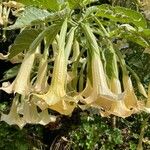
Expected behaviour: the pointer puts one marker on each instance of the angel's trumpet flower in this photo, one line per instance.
(30, 113)
(13, 117)
(139, 84)
(21, 84)
(99, 82)
(130, 98)
(56, 98)
(112, 103)
(46, 118)
(101, 96)
(32, 116)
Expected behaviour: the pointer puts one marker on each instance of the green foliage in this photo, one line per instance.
(79, 3)
(94, 133)
(46, 4)
(29, 16)
(30, 39)
(122, 14)
(10, 73)
(23, 41)
(12, 138)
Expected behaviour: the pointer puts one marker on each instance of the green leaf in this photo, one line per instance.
(136, 39)
(122, 14)
(23, 41)
(145, 33)
(110, 64)
(34, 16)
(29, 39)
(131, 34)
(50, 33)
(74, 3)
(29, 16)
(46, 4)
(11, 73)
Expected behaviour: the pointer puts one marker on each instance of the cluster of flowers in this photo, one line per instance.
(75, 78)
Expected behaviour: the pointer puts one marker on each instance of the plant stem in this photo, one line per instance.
(114, 121)
(143, 128)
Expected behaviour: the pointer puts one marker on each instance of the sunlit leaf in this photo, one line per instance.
(46, 4)
(11, 73)
(122, 15)
(23, 41)
(28, 16)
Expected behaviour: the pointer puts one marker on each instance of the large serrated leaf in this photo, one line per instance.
(28, 16)
(23, 41)
(122, 14)
(35, 16)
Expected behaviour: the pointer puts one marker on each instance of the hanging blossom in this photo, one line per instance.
(56, 98)
(23, 110)
(21, 84)
(122, 104)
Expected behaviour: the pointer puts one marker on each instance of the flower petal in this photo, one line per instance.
(13, 117)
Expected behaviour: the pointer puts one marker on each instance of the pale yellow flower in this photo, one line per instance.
(13, 118)
(21, 84)
(56, 98)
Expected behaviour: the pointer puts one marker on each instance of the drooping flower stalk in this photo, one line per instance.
(76, 51)
(30, 112)
(129, 98)
(56, 98)
(41, 84)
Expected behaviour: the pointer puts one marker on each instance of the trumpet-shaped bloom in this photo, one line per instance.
(32, 116)
(112, 100)
(13, 117)
(101, 96)
(56, 98)
(21, 84)
(46, 118)
(30, 113)
(130, 98)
